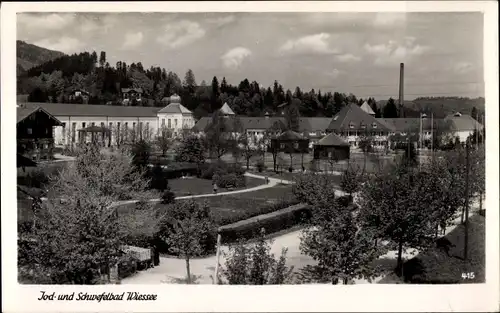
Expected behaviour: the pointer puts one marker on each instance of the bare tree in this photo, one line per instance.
(164, 140)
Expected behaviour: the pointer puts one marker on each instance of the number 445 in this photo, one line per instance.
(469, 275)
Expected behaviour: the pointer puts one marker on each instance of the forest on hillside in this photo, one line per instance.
(57, 79)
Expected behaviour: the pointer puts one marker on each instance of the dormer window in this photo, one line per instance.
(457, 114)
(363, 126)
(351, 125)
(374, 125)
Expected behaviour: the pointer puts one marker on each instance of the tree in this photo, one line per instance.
(163, 140)
(396, 205)
(256, 265)
(292, 115)
(215, 93)
(191, 150)
(343, 250)
(141, 152)
(390, 109)
(102, 58)
(190, 82)
(158, 180)
(351, 180)
(189, 222)
(81, 234)
(366, 145)
(247, 149)
(218, 138)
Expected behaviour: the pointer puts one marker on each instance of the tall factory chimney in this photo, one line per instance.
(401, 88)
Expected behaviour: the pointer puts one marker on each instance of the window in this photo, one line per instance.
(363, 126)
(296, 145)
(64, 131)
(83, 125)
(102, 124)
(175, 122)
(29, 131)
(169, 124)
(282, 146)
(110, 124)
(73, 132)
(374, 125)
(162, 122)
(133, 126)
(351, 125)
(93, 124)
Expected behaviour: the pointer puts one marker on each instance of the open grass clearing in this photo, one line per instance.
(434, 266)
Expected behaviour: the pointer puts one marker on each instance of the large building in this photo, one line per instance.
(352, 124)
(126, 122)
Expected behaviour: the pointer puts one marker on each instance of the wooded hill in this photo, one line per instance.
(55, 76)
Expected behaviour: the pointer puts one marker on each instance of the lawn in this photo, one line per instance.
(238, 206)
(198, 186)
(434, 266)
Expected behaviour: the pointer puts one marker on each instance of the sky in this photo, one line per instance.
(355, 53)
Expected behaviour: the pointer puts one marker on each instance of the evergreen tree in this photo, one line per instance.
(390, 109)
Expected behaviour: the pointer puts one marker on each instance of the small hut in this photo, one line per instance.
(290, 142)
(331, 147)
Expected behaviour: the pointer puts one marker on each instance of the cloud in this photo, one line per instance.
(63, 44)
(395, 52)
(233, 58)
(463, 67)
(132, 40)
(45, 22)
(389, 19)
(180, 34)
(221, 21)
(335, 73)
(346, 58)
(312, 44)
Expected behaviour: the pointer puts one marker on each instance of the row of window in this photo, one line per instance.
(118, 126)
(363, 126)
(356, 133)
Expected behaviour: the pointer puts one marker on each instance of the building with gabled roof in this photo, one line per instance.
(126, 123)
(351, 123)
(331, 147)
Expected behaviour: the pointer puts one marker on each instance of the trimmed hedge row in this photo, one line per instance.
(271, 222)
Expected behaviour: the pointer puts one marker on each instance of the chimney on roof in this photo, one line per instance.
(401, 87)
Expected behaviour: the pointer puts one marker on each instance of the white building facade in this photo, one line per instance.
(125, 123)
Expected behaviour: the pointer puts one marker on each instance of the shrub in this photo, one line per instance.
(179, 169)
(230, 180)
(36, 179)
(168, 196)
(272, 222)
(261, 166)
(220, 168)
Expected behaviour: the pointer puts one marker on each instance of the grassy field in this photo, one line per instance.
(198, 186)
(434, 266)
(238, 206)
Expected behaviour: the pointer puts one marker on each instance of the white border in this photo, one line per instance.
(179, 298)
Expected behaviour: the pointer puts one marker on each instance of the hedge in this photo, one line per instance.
(271, 222)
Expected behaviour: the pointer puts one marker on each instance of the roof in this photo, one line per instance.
(68, 109)
(352, 113)
(412, 124)
(312, 124)
(366, 107)
(25, 111)
(138, 90)
(331, 140)
(226, 110)
(175, 108)
(290, 135)
(246, 122)
(463, 122)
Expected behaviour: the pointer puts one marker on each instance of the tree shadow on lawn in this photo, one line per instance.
(176, 280)
(435, 266)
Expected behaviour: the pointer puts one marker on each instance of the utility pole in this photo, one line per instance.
(466, 200)
(432, 136)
